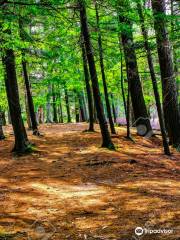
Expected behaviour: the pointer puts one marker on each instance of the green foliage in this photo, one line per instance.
(51, 42)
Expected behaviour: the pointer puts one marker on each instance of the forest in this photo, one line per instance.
(89, 119)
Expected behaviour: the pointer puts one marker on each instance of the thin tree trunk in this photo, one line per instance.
(92, 68)
(88, 87)
(128, 113)
(101, 58)
(55, 119)
(172, 30)
(170, 100)
(122, 83)
(113, 109)
(175, 57)
(154, 81)
(60, 109)
(28, 88)
(81, 108)
(30, 100)
(48, 106)
(3, 118)
(2, 137)
(77, 110)
(9, 117)
(27, 113)
(95, 114)
(41, 115)
(67, 105)
(1, 128)
(84, 104)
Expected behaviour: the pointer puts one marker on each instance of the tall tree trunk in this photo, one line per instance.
(175, 57)
(9, 117)
(77, 110)
(3, 118)
(154, 81)
(142, 120)
(113, 108)
(128, 113)
(30, 100)
(27, 113)
(101, 58)
(1, 132)
(40, 115)
(84, 104)
(67, 104)
(55, 119)
(170, 100)
(48, 106)
(21, 140)
(172, 30)
(27, 85)
(60, 109)
(81, 108)
(95, 114)
(122, 83)
(92, 68)
(88, 87)
(1, 128)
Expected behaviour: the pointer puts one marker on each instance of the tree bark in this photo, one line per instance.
(30, 100)
(61, 120)
(84, 104)
(113, 108)
(106, 139)
(81, 108)
(27, 113)
(142, 120)
(170, 100)
(154, 81)
(128, 113)
(21, 140)
(1, 128)
(175, 57)
(67, 105)
(3, 118)
(55, 119)
(122, 83)
(40, 115)
(28, 88)
(88, 87)
(77, 110)
(48, 106)
(101, 58)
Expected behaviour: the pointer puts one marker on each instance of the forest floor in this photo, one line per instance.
(72, 189)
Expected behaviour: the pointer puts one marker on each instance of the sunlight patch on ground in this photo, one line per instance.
(3, 180)
(90, 150)
(166, 186)
(69, 191)
(84, 189)
(143, 203)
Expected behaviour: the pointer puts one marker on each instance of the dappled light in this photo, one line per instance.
(84, 190)
(89, 120)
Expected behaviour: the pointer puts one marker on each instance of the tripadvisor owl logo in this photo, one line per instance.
(139, 231)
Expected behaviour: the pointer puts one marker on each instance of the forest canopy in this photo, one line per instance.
(66, 61)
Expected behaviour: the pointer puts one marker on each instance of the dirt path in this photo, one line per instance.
(72, 189)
